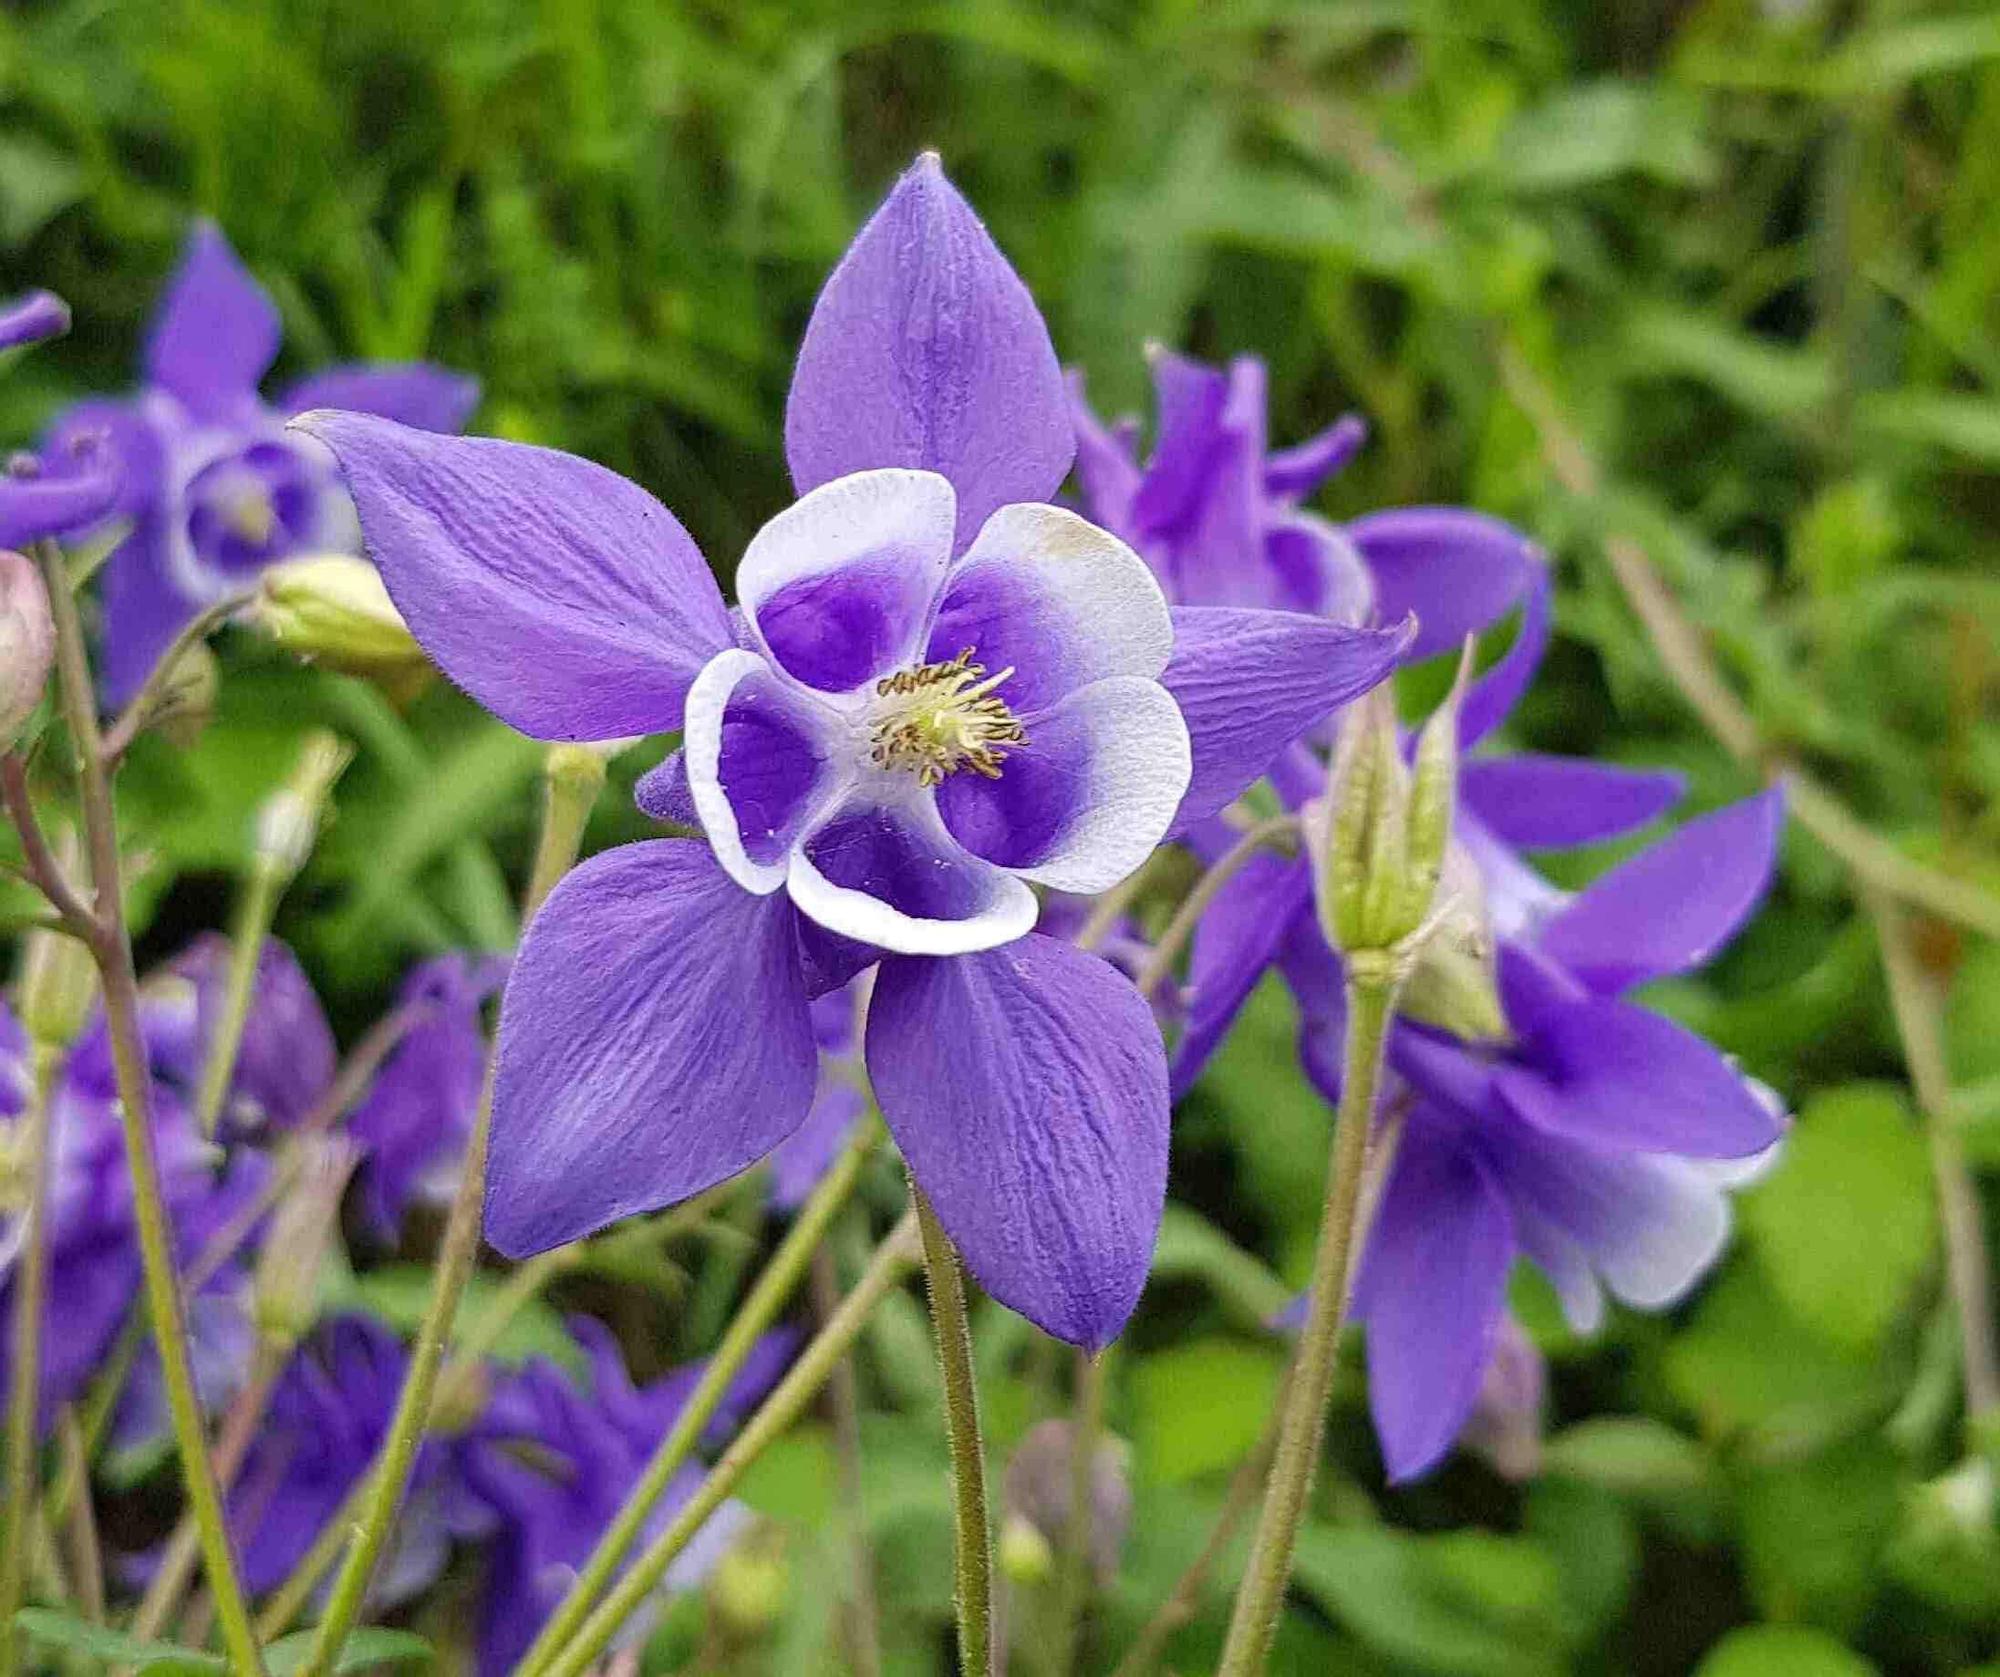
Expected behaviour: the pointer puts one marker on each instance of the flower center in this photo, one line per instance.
(940, 718)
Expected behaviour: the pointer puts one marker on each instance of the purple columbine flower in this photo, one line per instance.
(1219, 515)
(1600, 1140)
(77, 485)
(940, 692)
(214, 485)
(417, 1115)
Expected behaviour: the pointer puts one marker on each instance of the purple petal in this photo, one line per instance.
(415, 393)
(1557, 803)
(30, 319)
(1205, 491)
(1106, 473)
(655, 1039)
(1190, 399)
(55, 503)
(1027, 1088)
(1496, 692)
(564, 599)
(1672, 906)
(663, 793)
(1238, 940)
(144, 610)
(1457, 570)
(215, 333)
(1316, 569)
(1250, 682)
(926, 350)
(286, 1059)
(840, 586)
(808, 1153)
(829, 960)
(1293, 473)
(1613, 1075)
(1431, 1289)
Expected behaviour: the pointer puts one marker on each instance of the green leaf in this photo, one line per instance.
(1781, 1651)
(1814, 1531)
(1855, 1161)
(114, 1647)
(1191, 1246)
(1632, 1455)
(368, 1649)
(1201, 1406)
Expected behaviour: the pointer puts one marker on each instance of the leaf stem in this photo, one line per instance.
(254, 909)
(1371, 1004)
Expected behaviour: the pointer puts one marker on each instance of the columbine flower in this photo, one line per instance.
(941, 691)
(215, 486)
(415, 1119)
(1218, 516)
(1599, 1139)
(78, 486)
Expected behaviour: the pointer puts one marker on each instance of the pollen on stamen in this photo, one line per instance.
(948, 718)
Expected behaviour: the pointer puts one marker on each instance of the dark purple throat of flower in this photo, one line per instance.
(935, 719)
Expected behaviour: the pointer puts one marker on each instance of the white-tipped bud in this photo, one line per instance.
(333, 609)
(285, 1295)
(27, 643)
(289, 821)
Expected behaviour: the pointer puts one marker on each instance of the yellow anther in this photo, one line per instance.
(947, 718)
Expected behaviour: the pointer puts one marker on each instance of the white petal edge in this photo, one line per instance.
(1011, 913)
(1141, 762)
(850, 519)
(1099, 583)
(701, 745)
(1657, 1265)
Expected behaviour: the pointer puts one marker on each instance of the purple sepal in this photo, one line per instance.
(411, 393)
(215, 333)
(1558, 803)
(1027, 1088)
(655, 1039)
(1236, 943)
(662, 792)
(1458, 571)
(32, 318)
(926, 350)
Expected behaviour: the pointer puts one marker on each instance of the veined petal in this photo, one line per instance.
(1218, 536)
(758, 766)
(1250, 682)
(1027, 1088)
(1431, 1288)
(1672, 906)
(926, 350)
(1236, 943)
(1189, 399)
(1557, 803)
(1056, 600)
(413, 393)
(1612, 1075)
(31, 318)
(1089, 795)
(890, 875)
(215, 333)
(1457, 570)
(840, 586)
(564, 599)
(655, 1039)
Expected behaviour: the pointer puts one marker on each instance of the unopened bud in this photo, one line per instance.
(185, 703)
(749, 1585)
(1383, 830)
(1454, 983)
(1025, 1555)
(27, 643)
(288, 823)
(58, 975)
(1506, 1422)
(1039, 1485)
(285, 1296)
(334, 610)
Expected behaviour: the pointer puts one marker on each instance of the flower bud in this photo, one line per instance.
(185, 704)
(334, 610)
(1454, 982)
(749, 1586)
(1038, 1486)
(27, 643)
(1025, 1555)
(288, 823)
(58, 975)
(285, 1295)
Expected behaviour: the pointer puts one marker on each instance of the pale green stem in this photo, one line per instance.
(1074, 1577)
(255, 906)
(1371, 1003)
(1181, 928)
(861, 1613)
(86, 1561)
(972, 1529)
(574, 776)
(892, 1263)
(113, 951)
(774, 1287)
(23, 1399)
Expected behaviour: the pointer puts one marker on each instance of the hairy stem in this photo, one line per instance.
(892, 1263)
(759, 1309)
(113, 951)
(973, 1533)
(860, 1614)
(1371, 1003)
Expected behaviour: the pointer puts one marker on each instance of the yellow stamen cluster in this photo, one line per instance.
(947, 718)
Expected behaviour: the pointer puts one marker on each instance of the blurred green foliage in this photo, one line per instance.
(1748, 257)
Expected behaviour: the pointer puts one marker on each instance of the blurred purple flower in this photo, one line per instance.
(416, 1117)
(79, 484)
(830, 728)
(215, 487)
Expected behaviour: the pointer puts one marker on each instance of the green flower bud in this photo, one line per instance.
(1025, 1555)
(184, 706)
(748, 1588)
(1454, 983)
(334, 610)
(289, 820)
(285, 1295)
(27, 643)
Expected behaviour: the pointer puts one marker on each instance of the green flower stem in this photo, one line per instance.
(23, 1398)
(860, 1612)
(973, 1544)
(255, 906)
(892, 1263)
(86, 1558)
(1073, 1579)
(1371, 1003)
(774, 1287)
(1187, 917)
(113, 951)
(573, 778)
